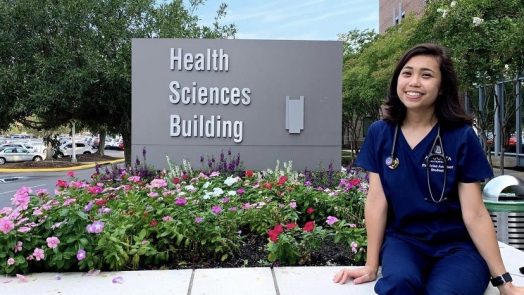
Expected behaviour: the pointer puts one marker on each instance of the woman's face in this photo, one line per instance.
(418, 83)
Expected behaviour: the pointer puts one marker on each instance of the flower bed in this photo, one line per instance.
(181, 218)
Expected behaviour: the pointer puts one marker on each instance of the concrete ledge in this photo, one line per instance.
(79, 167)
(216, 281)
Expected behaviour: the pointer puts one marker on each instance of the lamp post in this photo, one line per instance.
(73, 144)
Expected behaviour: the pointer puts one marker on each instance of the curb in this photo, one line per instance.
(79, 167)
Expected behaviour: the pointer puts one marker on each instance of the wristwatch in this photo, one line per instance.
(501, 280)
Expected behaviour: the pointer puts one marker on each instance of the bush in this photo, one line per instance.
(182, 218)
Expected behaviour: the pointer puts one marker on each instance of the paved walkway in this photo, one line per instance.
(216, 281)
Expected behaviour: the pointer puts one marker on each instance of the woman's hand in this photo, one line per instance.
(510, 289)
(359, 275)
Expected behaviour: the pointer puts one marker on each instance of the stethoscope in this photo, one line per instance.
(436, 154)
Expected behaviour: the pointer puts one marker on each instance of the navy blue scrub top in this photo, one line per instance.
(411, 212)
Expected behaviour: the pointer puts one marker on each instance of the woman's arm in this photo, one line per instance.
(376, 215)
(482, 232)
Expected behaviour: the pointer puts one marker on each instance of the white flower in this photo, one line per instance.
(477, 21)
(231, 193)
(190, 188)
(217, 191)
(207, 195)
(206, 185)
(443, 11)
(453, 3)
(230, 181)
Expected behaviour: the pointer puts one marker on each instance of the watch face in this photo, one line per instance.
(507, 277)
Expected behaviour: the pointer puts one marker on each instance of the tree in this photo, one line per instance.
(485, 40)
(71, 60)
(367, 71)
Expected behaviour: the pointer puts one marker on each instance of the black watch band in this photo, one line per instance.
(501, 280)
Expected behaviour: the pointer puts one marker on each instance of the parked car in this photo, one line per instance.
(39, 148)
(14, 154)
(81, 148)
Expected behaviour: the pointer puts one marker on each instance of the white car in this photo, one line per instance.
(14, 154)
(81, 149)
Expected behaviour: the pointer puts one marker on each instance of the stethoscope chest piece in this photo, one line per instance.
(392, 162)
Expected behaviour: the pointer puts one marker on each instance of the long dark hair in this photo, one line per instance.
(448, 109)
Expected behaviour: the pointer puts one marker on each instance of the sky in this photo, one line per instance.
(294, 19)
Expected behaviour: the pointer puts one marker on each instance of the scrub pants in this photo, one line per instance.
(415, 268)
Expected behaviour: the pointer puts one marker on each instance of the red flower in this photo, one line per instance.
(282, 180)
(291, 226)
(275, 232)
(185, 177)
(267, 185)
(61, 183)
(249, 173)
(354, 181)
(310, 210)
(153, 223)
(176, 180)
(100, 202)
(309, 226)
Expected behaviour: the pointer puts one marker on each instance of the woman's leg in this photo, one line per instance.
(463, 271)
(404, 269)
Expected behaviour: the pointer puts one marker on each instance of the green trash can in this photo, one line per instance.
(506, 208)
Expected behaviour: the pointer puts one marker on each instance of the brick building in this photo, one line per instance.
(391, 12)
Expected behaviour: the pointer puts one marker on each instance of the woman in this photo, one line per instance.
(425, 219)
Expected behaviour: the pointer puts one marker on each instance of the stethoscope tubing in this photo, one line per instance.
(392, 162)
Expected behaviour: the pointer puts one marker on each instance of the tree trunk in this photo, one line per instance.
(126, 136)
(101, 142)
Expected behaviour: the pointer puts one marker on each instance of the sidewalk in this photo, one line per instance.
(216, 281)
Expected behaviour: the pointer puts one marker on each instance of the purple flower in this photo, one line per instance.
(95, 227)
(199, 219)
(88, 207)
(216, 209)
(180, 201)
(331, 220)
(241, 191)
(81, 255)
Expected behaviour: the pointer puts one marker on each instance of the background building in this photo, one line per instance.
(391, 12)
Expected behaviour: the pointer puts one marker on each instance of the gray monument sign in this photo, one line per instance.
(267, 100)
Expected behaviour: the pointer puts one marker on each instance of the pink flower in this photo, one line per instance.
(52, 242)
(6, 225)
(77, 184)
(69, 201)
(95, 190)
(134, 179)
(10, 261)
(354, 247)
(293, 205)
(71, 173)
(21, 198)
(18, 246)
(81, 254)
(41, 192)
(158, 183)
(24, 229)
(331, 220)
(38, 254)
(153, 194)
(199, 219)
(216, 209)
(241, 191)
(167, 218)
